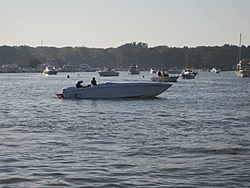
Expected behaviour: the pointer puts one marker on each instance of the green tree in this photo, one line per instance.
(25, 55)
(34, 62)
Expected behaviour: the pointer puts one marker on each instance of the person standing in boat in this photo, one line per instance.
(159, 74)
(79, 84)
(93, 81)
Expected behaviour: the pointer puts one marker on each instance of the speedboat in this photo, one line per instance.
(214, 70)
(50, 70)
(133, 69)
(108, 72)
(187, 75)
(192, 71)
(112, 90)
(165, 79)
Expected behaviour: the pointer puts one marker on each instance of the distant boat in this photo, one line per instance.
(50, 70)
(86, 68)
(153, 70)
(243, 68)
(174, 70)
(214, 70)
(164, 77)
(192, 71)
(187, 74)
(67, 68)
(133, 69)
(243, 65)
(108, 72)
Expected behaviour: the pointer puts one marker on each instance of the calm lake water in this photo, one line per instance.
(196, 134)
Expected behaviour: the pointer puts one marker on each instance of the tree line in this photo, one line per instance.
(223, 57)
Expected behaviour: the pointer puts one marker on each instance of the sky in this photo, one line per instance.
(112, 23)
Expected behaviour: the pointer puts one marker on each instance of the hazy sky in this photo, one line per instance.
(111, 23)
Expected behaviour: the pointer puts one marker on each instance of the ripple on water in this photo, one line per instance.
(190, 136)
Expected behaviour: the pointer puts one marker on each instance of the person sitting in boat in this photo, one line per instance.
(79, 84)
(159, 74)
(93, 81)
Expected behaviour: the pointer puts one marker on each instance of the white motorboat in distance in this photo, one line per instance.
(214, 70)
(174, 70)
(108, 72)
(187, 75)
(111, 90)
(243, 68)
(165, 79)
(243, 65)
(133, 69)
(50, 70)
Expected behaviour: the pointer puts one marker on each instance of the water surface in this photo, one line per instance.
(196, 134)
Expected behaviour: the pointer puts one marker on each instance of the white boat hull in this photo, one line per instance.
(111, 90)
(243, 73)
(49, 72)
(133, 69)
(134, 72)
(108, 73)
(187, 76)
(214, 70)
(165, 79)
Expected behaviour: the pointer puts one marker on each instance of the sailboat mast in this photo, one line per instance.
(186, 57)
(239, 52)
(240, 48)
